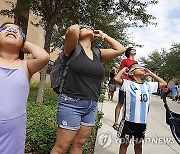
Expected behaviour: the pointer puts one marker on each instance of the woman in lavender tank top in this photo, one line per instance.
(15, 75)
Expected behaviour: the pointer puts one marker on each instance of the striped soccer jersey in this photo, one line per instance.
(137, 100)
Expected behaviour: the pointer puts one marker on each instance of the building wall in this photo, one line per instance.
(34, 34)
(5, 5)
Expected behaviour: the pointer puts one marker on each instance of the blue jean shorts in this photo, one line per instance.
(73, 112)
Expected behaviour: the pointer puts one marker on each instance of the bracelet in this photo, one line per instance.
(103, 36)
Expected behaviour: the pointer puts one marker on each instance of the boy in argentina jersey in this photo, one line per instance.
(136, 107)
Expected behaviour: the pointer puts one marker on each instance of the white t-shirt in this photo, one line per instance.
(137, 100)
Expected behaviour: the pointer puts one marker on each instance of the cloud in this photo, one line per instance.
(167, 31)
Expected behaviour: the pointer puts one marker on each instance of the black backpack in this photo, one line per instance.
(59, 69)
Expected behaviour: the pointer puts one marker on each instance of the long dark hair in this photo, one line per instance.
(21, 53)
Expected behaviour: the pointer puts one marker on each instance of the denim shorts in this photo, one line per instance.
(73, 112)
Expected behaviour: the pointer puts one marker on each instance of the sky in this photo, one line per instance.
(167, 32)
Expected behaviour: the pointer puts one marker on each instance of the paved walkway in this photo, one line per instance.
(158, 135)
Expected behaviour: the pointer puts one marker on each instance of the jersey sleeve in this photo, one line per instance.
(153, 86)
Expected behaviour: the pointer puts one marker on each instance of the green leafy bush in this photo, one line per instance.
(41, 124)
(102, 96)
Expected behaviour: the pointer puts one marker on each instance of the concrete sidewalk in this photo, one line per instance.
(158, 135)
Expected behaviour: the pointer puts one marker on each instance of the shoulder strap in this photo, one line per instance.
(97, 52)
(76, 52)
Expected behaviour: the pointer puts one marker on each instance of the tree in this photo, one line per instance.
(111, 17)
(134, 12)
(20, 11)
(108, 15)
(49, 10)
(100, 15)
(172, 61)
(165, 64)
(155, 61)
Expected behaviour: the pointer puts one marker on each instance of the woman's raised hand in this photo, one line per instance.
(98, 33)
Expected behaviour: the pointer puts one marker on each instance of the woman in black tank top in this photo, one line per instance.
(78, 102)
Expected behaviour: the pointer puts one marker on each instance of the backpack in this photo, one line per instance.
(60, 66)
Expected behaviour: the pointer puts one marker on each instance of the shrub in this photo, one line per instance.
(101, 98)
(41, 122)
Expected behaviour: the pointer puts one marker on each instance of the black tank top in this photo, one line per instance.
(84, 77)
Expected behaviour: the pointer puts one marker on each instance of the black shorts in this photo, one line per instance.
(121, 96)
(128, 129)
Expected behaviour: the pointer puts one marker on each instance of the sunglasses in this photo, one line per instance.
(86, 26)
(136, 67)
(13, 29)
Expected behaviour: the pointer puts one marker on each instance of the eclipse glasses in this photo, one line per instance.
(86, 26)
(136, 67)
(13, 29)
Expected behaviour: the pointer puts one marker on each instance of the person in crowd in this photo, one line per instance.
(77, 106)
(130, 54)
(164, 91)
(106, 85)
(136, 105)
(178, 95)
(174, 91)
(112, 84)
(15, 75)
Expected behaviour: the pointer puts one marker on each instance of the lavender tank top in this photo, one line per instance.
(14, 91)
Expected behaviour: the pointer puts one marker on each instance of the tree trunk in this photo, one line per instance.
(40, 95)
(22, 14)
(42, 82)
